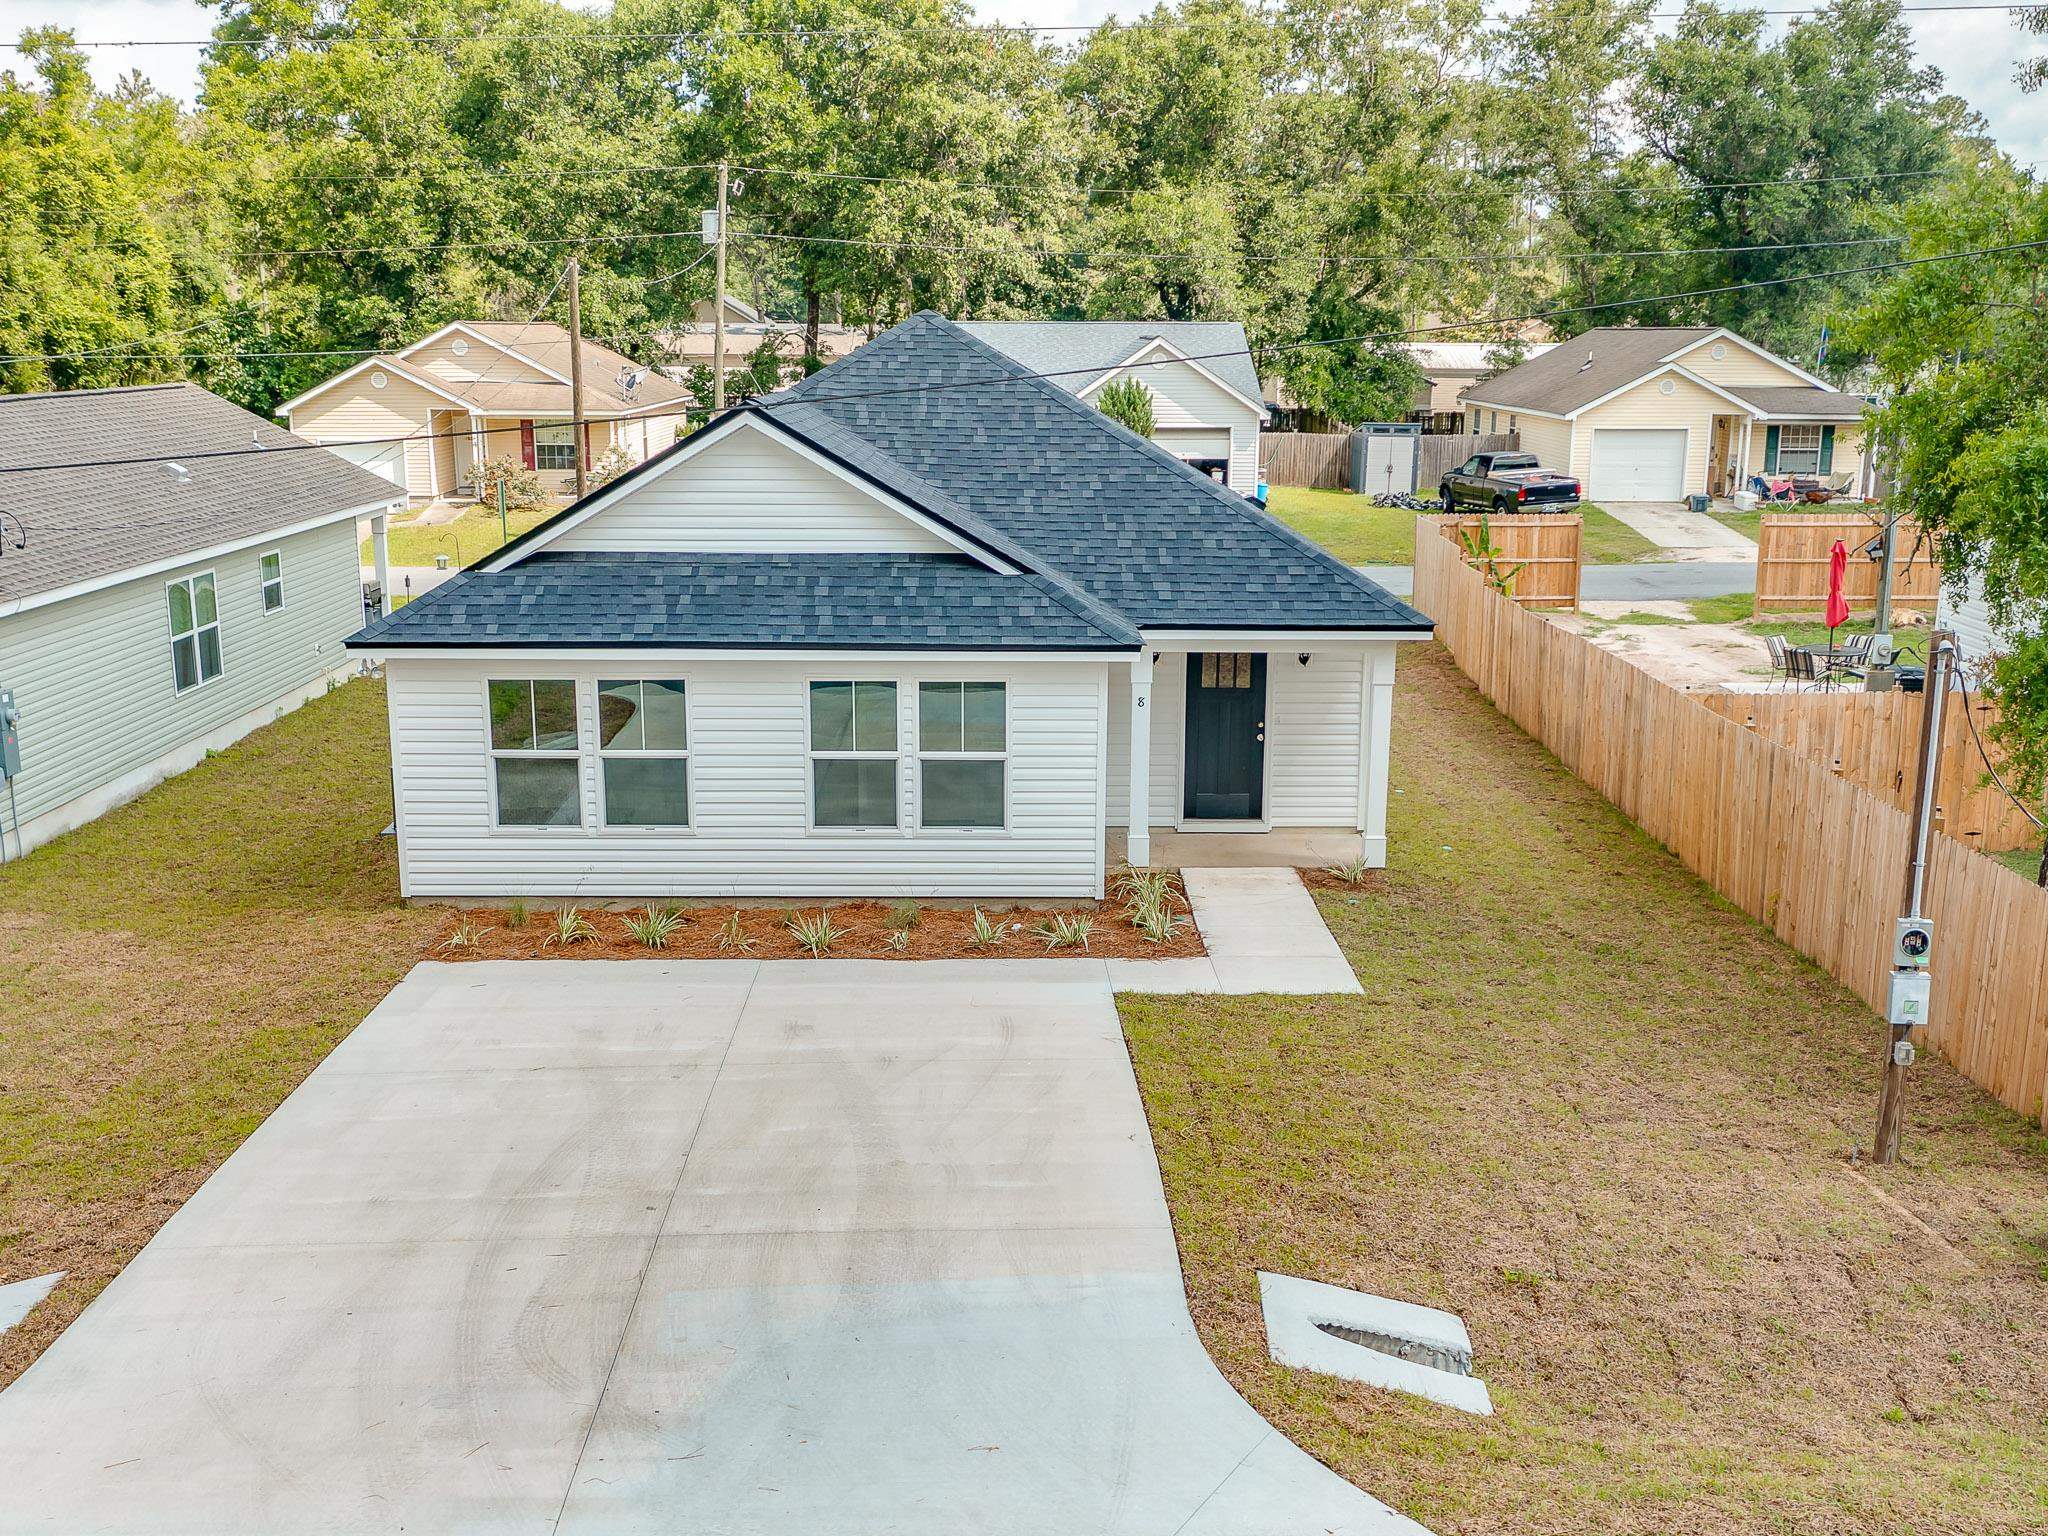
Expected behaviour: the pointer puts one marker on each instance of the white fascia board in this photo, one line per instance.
(640, 653)
(381, 360)
(197, 556)
(674, 458)
(1724, 334)
(1173, 354)
(1519, 410)
(1742, 407)
(1297, 640)
(496, 346)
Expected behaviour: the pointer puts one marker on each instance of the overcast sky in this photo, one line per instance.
(1976, 52)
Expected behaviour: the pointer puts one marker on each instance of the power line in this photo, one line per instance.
(999, 380)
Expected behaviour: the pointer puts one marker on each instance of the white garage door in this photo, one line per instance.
(1637, 464)
(386, 459)
(1198, 445)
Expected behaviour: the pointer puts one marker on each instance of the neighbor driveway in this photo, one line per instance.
(696, 1247)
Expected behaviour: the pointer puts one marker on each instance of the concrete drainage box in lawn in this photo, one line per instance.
(1373, 1339)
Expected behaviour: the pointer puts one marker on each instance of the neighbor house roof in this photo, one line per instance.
(1802, 402)
(1078, 353)
(1111, 526)
(1462, 356)
(168, 500)
(821, 601)
(1589, 367)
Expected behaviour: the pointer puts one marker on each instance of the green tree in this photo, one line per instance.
(1127, 401)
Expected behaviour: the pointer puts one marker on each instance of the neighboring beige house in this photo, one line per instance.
(1449, 368)
(694, 345)
(1656, 413)
(426, 415)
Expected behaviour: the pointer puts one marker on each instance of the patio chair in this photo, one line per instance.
(1804, 669)
(1781, 664)
(1857, 648)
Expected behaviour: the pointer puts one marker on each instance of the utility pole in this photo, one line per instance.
(576, 373)
(1912, 934)
(718, 312)
(1881, 620)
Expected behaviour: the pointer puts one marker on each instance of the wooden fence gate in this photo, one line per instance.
(1542, 548)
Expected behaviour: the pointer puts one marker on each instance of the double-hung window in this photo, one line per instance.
(853, 754)
(535, 764)
(195, 631)
(1799, 449)
(643, 744)
(962, 747)
(270, 571)
(554, 445)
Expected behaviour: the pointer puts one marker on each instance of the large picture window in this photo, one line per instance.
(853, 754)
(534, 760)
(195, 631)
(1799, 449)
(643, 743)
(554, 445)
(962, 746)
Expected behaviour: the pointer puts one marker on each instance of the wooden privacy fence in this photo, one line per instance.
(1873, 741)
(1814, 857)
(1438, 453)
(1544, 544)
(1792, 562)
(1319, 460)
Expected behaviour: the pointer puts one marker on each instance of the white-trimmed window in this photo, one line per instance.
(643, 748)
(554, 445)
(195, 631)
(536, 767)
(853, 752)
(962, 754)
(270, 571)
(1799, 449)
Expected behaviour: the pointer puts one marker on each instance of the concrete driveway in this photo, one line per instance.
(704, 1247)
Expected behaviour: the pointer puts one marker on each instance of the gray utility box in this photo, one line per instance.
(1384, 458)
(10, 736)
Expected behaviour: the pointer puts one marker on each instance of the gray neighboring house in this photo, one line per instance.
(155, 610)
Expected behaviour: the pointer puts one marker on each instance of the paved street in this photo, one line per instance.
(1681, 579)
(712, 1246)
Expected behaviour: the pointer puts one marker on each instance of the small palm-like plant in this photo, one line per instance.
(515, 915)
(733, 936)
(571, 927)
(898, 939)
(1484, 554)
(1065, 930)
(815, 935)
(467, 935)
(652, 926)
(986, 934)
(1157, 887)
(1157, 922)
(905, 914)
(1353, 873)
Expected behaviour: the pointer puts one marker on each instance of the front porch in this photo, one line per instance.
(1284, 847)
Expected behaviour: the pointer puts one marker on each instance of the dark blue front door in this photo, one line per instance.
(1226, 737)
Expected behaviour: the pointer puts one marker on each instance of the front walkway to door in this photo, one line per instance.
(831, 1247)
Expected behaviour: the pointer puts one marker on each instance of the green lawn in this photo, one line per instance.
(1359, 533)
(1613, 1123)
(465, 541)
(175, 968)
(1749, 524)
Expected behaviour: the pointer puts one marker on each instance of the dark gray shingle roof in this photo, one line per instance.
(104, 519)
(893, 602)
(1094, 347)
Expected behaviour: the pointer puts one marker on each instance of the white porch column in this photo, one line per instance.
(1138, 841)
(380, 547)
(1375, 744)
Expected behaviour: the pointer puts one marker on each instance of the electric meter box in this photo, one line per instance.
(10, 736)
(1906, 1005)
(1912, 941)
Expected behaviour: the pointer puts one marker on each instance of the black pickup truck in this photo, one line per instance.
(1508, 482)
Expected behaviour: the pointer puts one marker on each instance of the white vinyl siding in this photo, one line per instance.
(1182, 398)
(1313, 738)
(92, 675)
(1550, 441)
(750, 790)
(749, 493)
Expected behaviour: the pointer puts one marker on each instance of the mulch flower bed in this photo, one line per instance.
(864, 933)
(1331, 880)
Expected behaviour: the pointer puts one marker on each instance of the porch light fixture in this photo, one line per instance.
(1302, 657)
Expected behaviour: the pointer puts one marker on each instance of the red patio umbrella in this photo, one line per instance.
(1838, 599)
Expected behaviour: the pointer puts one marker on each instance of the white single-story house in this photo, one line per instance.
(1657, 413)
(427, 415)
(1206, 405)
(921, 624)
(156, 609)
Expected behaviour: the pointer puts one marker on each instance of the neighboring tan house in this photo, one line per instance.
(921, 624)
(1206, 402)
(1656, 413)
(695, 345)
(1448, 369)
(155, 611)
(427, 415)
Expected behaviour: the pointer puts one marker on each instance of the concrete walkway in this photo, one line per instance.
(1263, 934)
(1686, 536)
(712, 1246)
